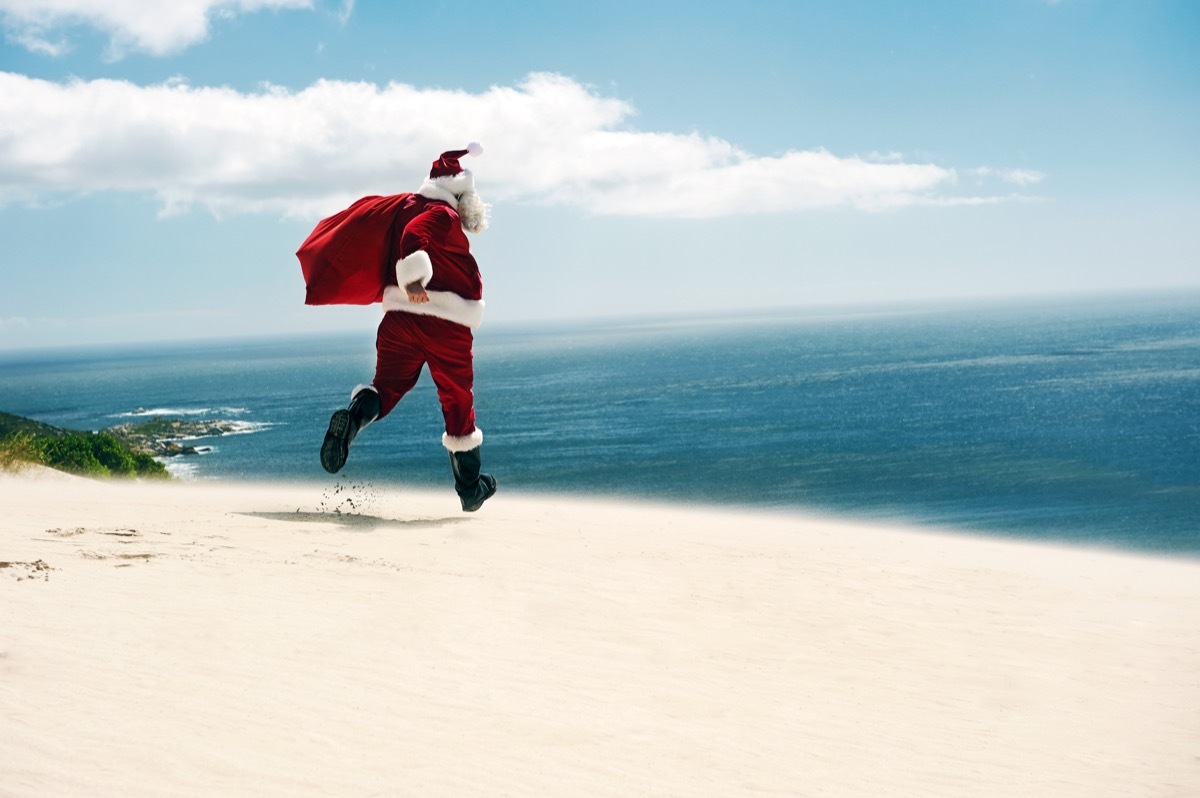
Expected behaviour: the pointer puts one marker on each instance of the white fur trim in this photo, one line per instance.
(416, 266)
(448, 188)
(443, 304)
(360, 388)
(466, 443)
(435, 192)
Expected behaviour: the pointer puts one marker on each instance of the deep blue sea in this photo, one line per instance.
(1073, 420)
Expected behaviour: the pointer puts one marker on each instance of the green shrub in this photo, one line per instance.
(147, 466)
(98, 455)
(112, 455)
(73, 453)
(18, 450)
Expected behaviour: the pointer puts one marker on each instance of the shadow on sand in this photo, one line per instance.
(359, 521)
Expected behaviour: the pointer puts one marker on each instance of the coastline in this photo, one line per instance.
(214, 638)
(1000, 420)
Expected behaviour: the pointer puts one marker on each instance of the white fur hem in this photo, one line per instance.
(443, 304)
(360, 388)
(416, 266)
(466, 443)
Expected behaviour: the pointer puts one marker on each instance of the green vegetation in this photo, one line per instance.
(97, 454)
(17, 450)
(10, 424)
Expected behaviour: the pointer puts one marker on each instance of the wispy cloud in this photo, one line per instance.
(36, 41)
(1016, 177)
(303, 153)
(153, 27)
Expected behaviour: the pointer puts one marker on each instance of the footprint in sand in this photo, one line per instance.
(38, 569)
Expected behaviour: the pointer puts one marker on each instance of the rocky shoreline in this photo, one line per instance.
(159, 437)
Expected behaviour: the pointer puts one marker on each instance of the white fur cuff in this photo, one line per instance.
(360, 388)
(416, 266)
(465, 443)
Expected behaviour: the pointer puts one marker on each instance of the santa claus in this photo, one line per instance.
(409, 252)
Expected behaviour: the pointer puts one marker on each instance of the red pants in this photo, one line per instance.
(405, 343)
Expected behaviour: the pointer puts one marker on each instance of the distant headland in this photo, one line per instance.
(130, 449)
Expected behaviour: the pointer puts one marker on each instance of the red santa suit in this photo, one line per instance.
(434, 251)
(370, 251)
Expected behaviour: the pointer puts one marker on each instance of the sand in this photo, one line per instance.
(209, 639)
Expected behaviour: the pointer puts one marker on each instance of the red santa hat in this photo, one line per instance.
(448, 166)
(447, 177)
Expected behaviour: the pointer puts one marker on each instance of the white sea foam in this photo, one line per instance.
(233, 428)
(181, 468)
(143, 412)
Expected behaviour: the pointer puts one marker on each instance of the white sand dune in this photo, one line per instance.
(224, 640)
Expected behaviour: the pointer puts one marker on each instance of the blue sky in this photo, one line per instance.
(160, 163)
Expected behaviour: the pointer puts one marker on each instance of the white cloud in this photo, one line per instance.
(306, 153)
(35, 42)
(1017, 177)
(155, 27)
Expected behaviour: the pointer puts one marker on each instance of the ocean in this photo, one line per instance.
(1069, 420)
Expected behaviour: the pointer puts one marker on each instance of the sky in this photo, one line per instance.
(160, 163)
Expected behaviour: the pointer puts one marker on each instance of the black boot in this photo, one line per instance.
(473, 488)
(344, 425)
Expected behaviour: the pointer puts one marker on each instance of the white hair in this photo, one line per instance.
(472, 212)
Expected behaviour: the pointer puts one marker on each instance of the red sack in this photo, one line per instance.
(348, 258)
